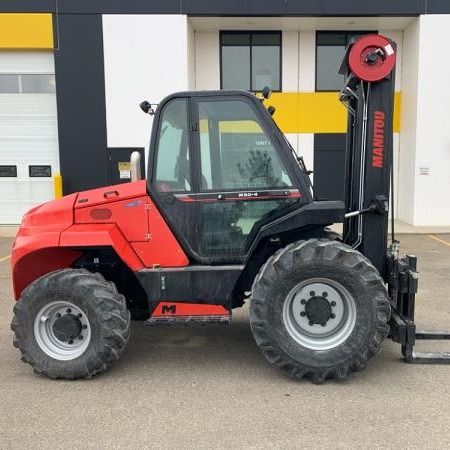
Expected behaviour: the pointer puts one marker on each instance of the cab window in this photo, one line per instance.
(172, 149)
(236, 153)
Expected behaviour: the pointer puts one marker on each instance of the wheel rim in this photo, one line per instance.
(319, 313)
(62, 330)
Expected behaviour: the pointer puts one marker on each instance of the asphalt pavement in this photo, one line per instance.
(209, 387)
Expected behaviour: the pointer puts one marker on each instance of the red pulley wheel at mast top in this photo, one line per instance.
(372, 57)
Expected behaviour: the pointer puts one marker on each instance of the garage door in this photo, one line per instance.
(28, 132)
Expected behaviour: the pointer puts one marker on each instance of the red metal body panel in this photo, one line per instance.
(107, 234)
(137, 218)
(39, 262)
(122, 217)
(35, 250)
(108, 194)
(175, 309)
(131, 216)
(162, 248)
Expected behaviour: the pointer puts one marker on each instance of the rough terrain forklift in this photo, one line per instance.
(228, 214)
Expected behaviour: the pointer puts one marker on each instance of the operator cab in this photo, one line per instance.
(220, 169)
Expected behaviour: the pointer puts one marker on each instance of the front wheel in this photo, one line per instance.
(71, 324)
(319, 310)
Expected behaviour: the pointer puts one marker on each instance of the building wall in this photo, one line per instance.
(120, 59)
(207, 60)
(425, 141)
(146, 57)
(407, 154)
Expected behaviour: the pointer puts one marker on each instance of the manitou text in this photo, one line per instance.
(378, 139)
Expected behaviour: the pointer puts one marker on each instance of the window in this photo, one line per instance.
(250, 60)
(330, 51)
(172, 149)
(235, 152)
(27, 83)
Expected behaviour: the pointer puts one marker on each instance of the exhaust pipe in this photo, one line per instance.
(135, 166)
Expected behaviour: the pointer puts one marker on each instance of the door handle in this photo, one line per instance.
(109, 194)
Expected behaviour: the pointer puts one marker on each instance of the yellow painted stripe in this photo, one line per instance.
(5, 258)
(439, 240)
(57, 185)
(316, 112)
(233, 126)
(26, 31)
(303, 112)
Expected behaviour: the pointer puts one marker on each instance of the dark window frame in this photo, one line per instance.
(348, 35)
(251, 33)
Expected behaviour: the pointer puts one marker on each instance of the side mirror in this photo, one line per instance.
(266, 92)
(147, 107)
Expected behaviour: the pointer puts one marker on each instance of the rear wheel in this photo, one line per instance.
(319, 310)
(71, 324)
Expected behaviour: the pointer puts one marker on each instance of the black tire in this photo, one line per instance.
(326, 260)
(105, 311)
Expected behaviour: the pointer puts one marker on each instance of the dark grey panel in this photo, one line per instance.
(81, 102)
(303, 7)
(93, 7)
(120, 6)
(27, 6)
(329, 165)
(233, 7)
(438, 7)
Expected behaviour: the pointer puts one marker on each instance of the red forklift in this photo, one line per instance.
(228, 215)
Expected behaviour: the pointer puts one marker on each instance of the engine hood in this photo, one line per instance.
(108, 194)
(51, 215)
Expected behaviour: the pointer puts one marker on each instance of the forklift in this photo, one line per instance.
(228, 215)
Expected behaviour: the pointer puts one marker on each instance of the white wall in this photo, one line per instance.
(207, 60)
(146, 58)
(190, 56)
(406, 160)
(425, 137)
(289, 61)
(307, 61)
(432, 134)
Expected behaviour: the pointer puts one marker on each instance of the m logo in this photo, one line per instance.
(169, 309)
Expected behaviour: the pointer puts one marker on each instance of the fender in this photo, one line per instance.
(35, 250)
(34, 256)
(101, 235)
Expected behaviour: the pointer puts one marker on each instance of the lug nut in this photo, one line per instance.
(79, 315)
(303, 314)
(332, 316)
(311, 323)
(333, 303)
(324, 324)
(58, 315)
(70, 341)
(84, 326)
(80, 337)
(68, 310)
(303, 301)
(324, 294)
(312, 293)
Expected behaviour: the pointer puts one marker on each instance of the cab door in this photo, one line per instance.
(218, 175)
(244, 181)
